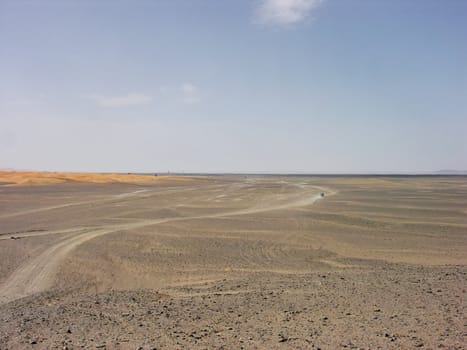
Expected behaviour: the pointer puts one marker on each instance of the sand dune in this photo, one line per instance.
(29, 178)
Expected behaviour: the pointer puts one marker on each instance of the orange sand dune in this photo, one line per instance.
(29, 178)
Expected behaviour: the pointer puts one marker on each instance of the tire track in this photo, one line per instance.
(74, 204)
(36, 274)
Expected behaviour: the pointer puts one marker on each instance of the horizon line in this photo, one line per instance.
(296, 173)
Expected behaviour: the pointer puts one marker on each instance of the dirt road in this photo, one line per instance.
(36, 274)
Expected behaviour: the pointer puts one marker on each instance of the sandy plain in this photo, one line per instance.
(234, 262)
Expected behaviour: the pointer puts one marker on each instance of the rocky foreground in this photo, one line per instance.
(387, 306)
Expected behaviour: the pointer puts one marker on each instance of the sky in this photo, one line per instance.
(233, 86)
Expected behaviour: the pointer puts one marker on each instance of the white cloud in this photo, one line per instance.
(190, 93)
(132, 99)
(188, 88)
(285, 12)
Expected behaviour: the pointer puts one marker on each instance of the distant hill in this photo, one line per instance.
(451, 172)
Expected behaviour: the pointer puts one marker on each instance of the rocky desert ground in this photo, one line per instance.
(233, 262)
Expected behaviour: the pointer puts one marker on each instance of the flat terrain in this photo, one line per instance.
(232, 262)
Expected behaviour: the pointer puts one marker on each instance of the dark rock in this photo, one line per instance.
(283, 338)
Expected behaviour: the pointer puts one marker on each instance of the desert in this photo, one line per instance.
(217, 175)
(233, 262)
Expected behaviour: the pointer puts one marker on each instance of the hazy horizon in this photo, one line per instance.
(266, 86)
(259, 173)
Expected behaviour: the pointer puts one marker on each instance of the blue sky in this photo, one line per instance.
(233, 86)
